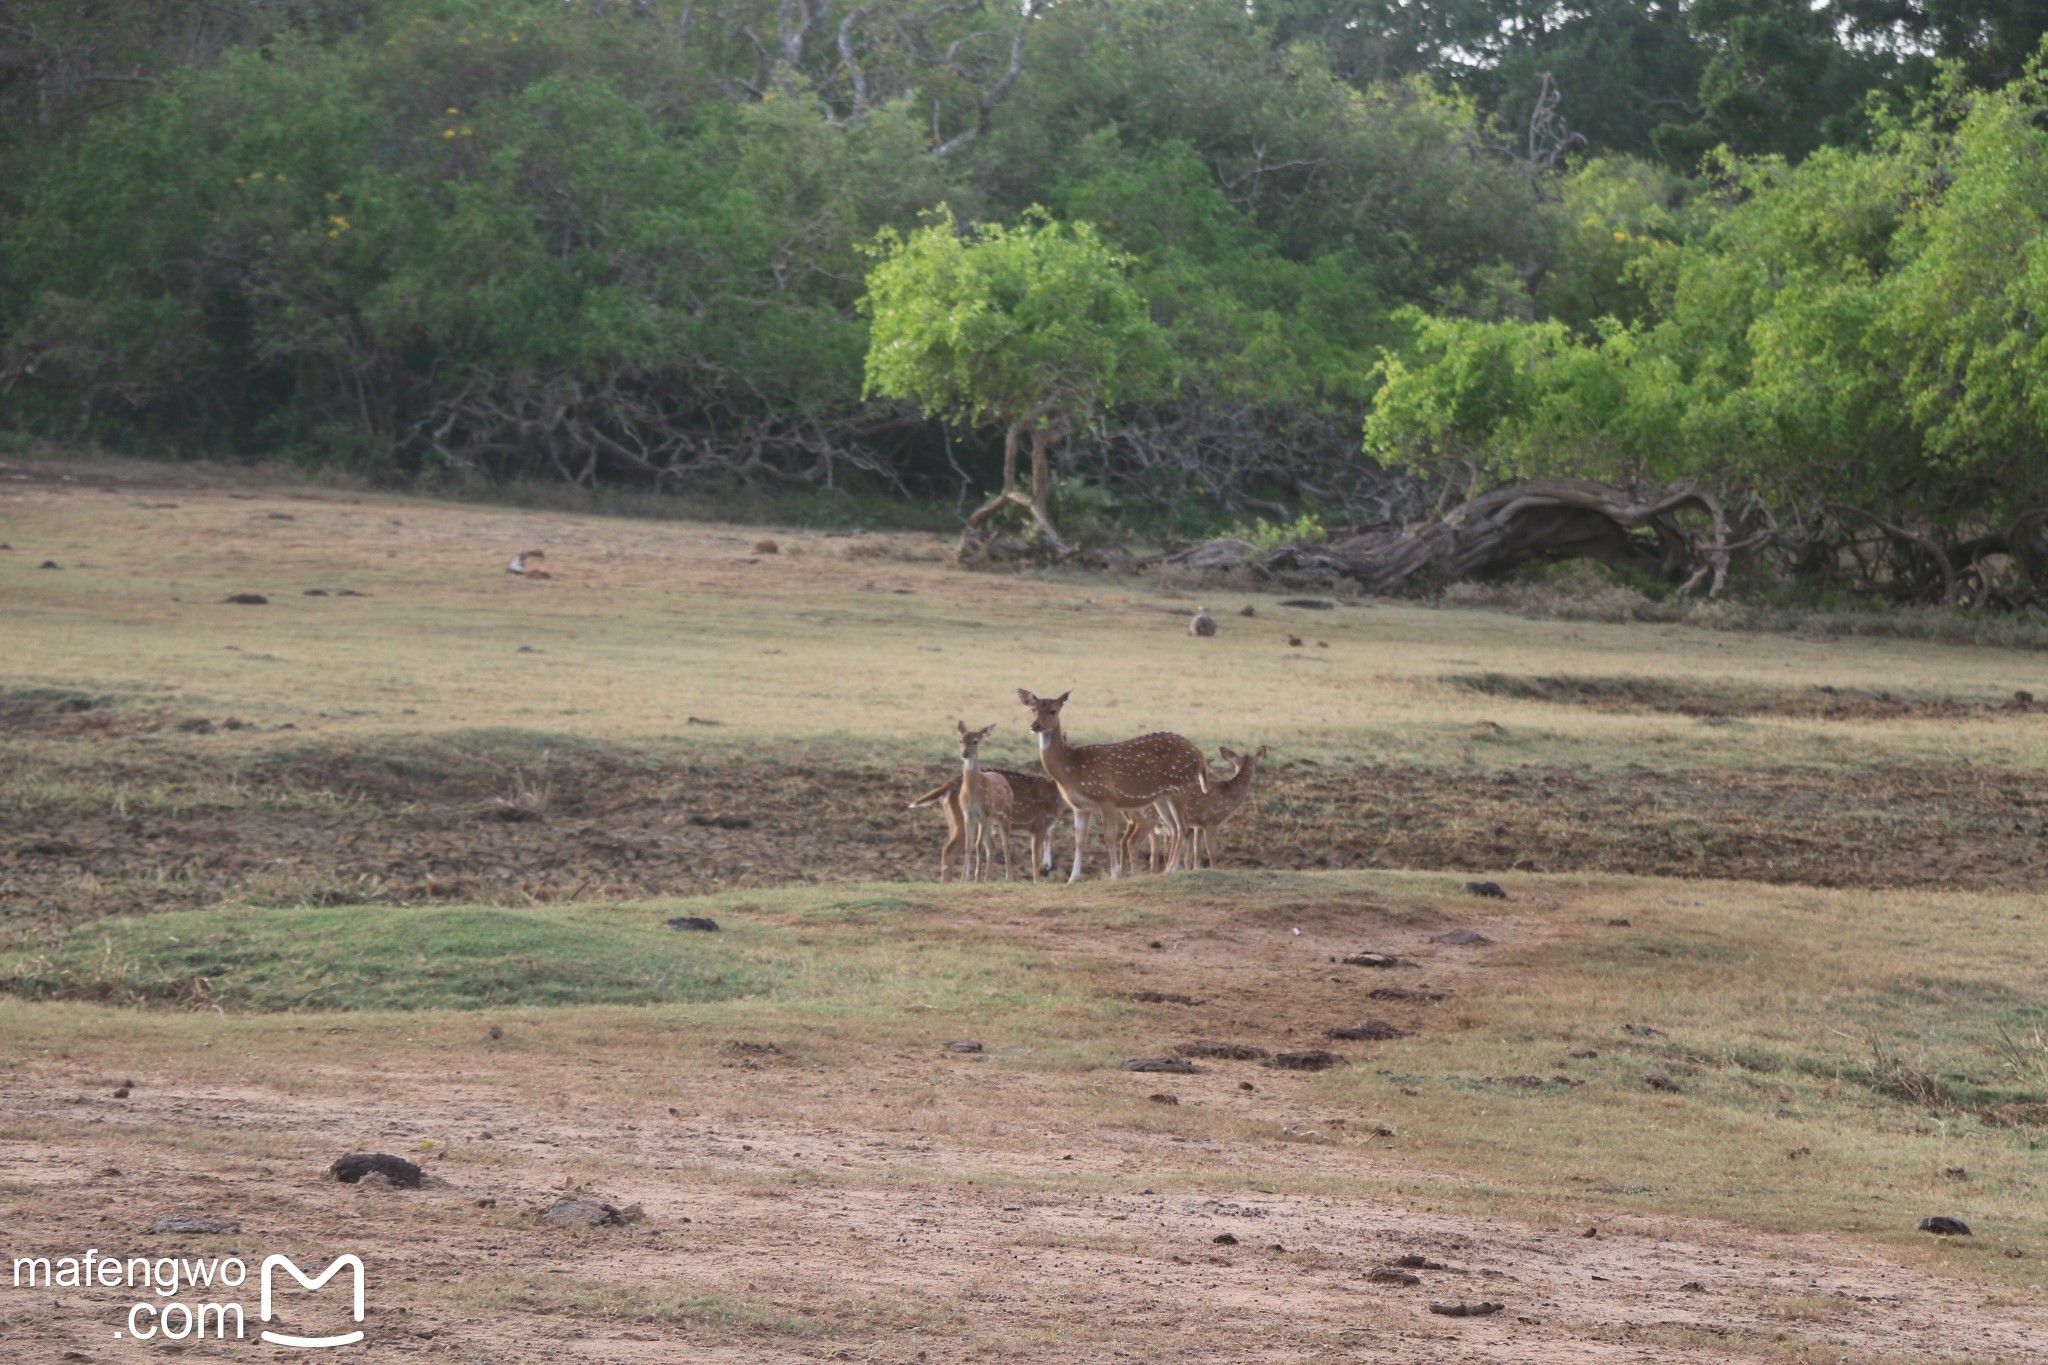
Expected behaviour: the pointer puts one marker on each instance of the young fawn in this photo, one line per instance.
(1207, 812)
(1099, 780)
(1035, 809)
(985, 804)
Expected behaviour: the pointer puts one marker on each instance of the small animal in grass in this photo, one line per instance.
(1202, 623)
(523, 565)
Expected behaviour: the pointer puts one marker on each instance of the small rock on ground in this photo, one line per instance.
(353, 1166)
(591, 1213)
(1376, 960)
(1371, 1031)
(1229, 1052)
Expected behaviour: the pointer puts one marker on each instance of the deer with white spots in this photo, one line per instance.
(985, 804)
(1209, 811)
(1035, 811)
(1099, 780)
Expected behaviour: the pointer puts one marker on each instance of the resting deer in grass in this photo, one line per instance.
(1099, 780)
(1035, 811)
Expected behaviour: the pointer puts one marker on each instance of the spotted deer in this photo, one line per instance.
(946, 796)
(1035, 810)
(1099, 780)
(1210, 811)
(985, 804)
(1207, 812)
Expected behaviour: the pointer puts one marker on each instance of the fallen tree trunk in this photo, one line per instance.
(1546, 520)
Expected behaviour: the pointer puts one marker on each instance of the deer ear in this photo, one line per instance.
(1227, 752)
(987, 730)
(1027, 698)
(1261, 753)
(1063, 697)
(961, 726)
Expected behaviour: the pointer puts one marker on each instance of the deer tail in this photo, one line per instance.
(938, 793)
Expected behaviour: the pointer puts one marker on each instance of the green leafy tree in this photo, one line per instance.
(1031, 327)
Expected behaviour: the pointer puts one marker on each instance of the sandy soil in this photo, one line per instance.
(910, 1203)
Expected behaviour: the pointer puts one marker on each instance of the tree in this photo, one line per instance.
(1032, 327)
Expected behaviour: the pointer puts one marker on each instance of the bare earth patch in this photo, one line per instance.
(612, 826)
(836, 1199)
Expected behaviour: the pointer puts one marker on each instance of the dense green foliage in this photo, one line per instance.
(1786, 250)
(1853, 346)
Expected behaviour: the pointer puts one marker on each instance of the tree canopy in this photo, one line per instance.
(1030, 327)
(1786, 248)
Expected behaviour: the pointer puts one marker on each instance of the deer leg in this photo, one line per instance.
(955, 838)
(1080, 842)
(1170, 830)
(1183, 838)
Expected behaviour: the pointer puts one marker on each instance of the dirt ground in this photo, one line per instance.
(826, 1194)
(872, 1203)
(613, 827)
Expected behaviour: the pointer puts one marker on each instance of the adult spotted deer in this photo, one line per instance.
(1035, 810)
(1099, 780)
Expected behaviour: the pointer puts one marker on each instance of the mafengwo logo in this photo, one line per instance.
(168, 1316)
(351, 1262)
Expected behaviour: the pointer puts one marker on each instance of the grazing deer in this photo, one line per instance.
(1100, 780)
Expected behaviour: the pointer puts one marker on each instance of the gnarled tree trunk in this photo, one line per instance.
(1548, 519)
(974, 539)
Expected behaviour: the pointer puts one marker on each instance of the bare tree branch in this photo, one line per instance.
(997, 92)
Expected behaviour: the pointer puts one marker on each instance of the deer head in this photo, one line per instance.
(1045, 715)
(970, 740)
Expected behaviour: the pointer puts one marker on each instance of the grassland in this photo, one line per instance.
(1766, 1072)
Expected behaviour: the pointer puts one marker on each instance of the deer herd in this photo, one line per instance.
(1157, 786)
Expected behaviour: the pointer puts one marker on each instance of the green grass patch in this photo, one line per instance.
(388, 957)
